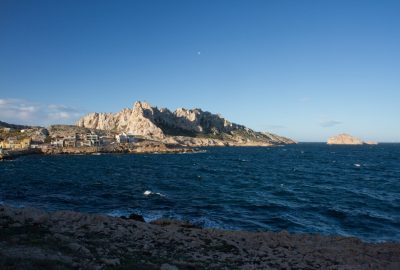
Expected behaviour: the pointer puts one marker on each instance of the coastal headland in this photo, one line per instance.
(142, 129)
(190, 127)
(35, 239)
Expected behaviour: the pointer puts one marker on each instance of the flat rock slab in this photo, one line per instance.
(35, 239)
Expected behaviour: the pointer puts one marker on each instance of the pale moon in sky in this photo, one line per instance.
(198, 53)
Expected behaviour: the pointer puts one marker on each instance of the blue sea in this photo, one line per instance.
(306, 188)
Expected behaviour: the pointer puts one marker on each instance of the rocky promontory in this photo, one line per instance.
(35, 239)
(347, 139)
(193, 127)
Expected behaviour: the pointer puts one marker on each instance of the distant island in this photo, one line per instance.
(346, 139)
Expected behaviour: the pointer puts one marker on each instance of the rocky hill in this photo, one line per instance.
(190, 127)
(347, 139)
(70, 130)
(12, 126)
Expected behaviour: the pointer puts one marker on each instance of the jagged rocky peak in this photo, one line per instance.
(143, 107)
(142, 104)
(146, 120)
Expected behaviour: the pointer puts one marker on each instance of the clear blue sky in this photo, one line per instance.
(304, 69)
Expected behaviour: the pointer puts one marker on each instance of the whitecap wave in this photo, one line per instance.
(149, 192)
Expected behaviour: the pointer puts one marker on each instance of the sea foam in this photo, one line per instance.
(149, 192)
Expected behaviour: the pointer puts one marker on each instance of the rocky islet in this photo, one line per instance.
(346, 139)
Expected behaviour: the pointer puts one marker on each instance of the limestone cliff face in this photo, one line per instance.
(138, 121)
(190, 127)
(347, 139)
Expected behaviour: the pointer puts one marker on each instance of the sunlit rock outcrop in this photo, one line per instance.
(193, 127)
(347, 140)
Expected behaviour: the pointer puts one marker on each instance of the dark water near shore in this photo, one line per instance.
(345, 190)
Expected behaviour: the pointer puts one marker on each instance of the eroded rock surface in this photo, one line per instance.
(35, 239)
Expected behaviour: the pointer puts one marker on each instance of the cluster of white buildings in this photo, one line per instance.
(76, 140)
(91, 139)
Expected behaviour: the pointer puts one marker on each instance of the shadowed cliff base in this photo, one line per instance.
(35, 239)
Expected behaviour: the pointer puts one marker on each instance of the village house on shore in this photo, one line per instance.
(15, 143)
(40, 138)
(76, 140)
(126, 138)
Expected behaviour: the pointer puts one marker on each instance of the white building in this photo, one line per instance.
(91, 139)
(106, 140)
(125, 138)
(57, 142)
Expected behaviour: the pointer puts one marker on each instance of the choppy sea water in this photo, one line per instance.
(309, 187)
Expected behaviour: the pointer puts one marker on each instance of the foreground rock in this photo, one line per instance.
(189, 127)
(35, 239)
(347, 139)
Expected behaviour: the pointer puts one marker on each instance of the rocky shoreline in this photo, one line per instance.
(12, 154)
(36, 239)
(145, 147)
